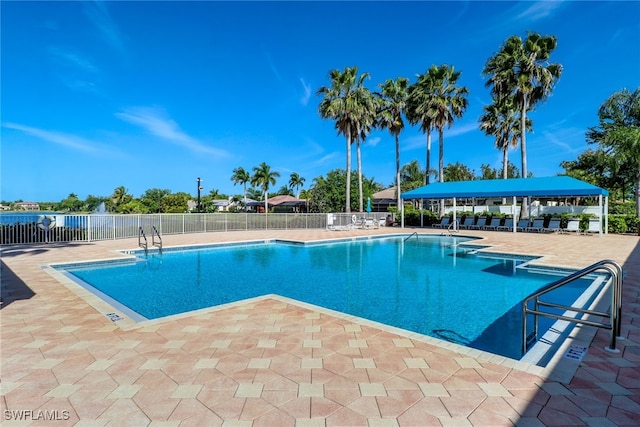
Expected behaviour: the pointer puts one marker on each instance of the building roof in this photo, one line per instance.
(553, 186)
(386, 194)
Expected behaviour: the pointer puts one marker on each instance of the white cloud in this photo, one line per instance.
(304, 99)
(373, 141)
(99, 15)
(156, 122)
(66, 140)
(274, 70)
(539, 10)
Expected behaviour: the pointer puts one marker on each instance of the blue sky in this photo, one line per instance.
(97, 95)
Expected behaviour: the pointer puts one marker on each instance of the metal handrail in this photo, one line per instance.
(415, 233)
(615, 314)
(153, 240)
(144, 245)
(453, 224)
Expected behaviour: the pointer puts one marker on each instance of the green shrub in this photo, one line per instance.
(633, 223)
(412, 217)
(617, 224)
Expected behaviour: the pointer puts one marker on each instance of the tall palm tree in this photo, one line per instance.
(296, 181)
(366, 121)
(394, 94)
(521, 69)
(241, 176)
(500, 119)
(263, 177)
(419, 110)
(342, 102)
(447, 103)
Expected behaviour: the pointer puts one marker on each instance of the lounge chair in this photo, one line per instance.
(444, 222)
(468, 222)
(594, 226)
(523, 224)
(482, 221)
(508, 225)
(494, 224)
(572, 225)
(554, 226)
(537, 226)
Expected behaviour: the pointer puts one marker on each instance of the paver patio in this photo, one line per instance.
(272, 361)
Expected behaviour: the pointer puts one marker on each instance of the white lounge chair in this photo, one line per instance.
(594, 226)
(572, 225)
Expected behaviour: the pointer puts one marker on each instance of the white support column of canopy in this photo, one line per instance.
(606, 215)
(600, 215)
(513, 214)
(455, 224)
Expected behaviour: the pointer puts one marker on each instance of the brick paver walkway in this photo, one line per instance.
(275, 362)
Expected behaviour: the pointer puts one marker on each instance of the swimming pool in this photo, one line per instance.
(434, 285)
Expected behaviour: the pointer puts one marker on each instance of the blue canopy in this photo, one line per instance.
(553, 186)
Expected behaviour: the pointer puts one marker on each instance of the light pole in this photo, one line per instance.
(199, 206)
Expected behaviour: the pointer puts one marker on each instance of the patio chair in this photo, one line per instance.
(494, 224)
(468, 222)
(523, 224)
(482, 221)
(537, 226)
(554, 226)
(572, 225)
(594, 226)
(444, 222)
(508, 225)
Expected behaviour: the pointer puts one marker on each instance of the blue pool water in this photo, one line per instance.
(430, 285)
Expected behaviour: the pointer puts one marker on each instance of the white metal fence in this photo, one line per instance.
(21, 229)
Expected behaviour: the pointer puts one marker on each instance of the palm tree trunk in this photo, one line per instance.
(360, 196)
(441, 163)
(245, 195)
(347, 208)
(398, 201)
(265, 201)
(524, 213)
(428, 170)
(505, 167)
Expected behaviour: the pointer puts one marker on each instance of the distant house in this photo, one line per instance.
(382, 200)
(27, 206)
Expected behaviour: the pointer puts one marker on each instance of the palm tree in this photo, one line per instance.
(619, 134)
(343, 102)
(120, 196)
(521, 69)
(447, 103)
(500, 120)
(419, 110)
(241, 176)
(296, 181)
(367, 120)
(394, 101)
(263, 177)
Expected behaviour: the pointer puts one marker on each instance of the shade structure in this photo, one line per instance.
(554, 186)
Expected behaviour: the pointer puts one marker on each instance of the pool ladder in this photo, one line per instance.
(143, 243)
(614, 315)
(158, 244)
(415, 233)
(142, 240)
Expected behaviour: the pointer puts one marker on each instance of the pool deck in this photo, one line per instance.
(276, 362)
